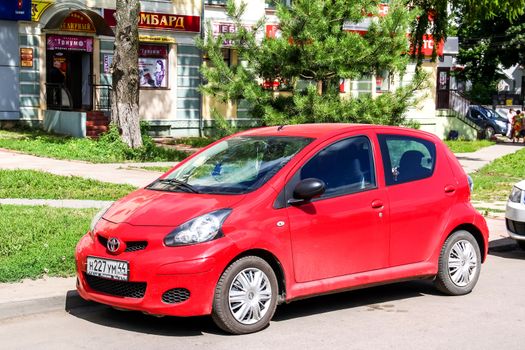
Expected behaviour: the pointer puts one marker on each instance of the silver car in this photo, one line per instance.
(515, 214)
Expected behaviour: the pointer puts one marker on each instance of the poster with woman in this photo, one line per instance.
(153, 64)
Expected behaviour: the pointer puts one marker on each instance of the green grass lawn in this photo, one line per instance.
(462, 146)
(494, 181)
(108, 149)
(39, 240)
(40, 185)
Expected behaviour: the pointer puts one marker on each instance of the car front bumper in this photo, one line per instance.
(152, 273)
(515, 220)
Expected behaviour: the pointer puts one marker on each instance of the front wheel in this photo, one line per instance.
(245, 296)
(490, 133)
(459, 264)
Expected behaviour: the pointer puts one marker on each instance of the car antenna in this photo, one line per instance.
(280, 127)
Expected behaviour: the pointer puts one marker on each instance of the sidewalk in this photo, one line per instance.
(476, 160)
(114, 173)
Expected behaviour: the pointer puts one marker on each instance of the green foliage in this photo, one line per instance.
(486, 45)
(442, 23)
(39, 241)
(308, 60)
(40, 185)
(109, 148)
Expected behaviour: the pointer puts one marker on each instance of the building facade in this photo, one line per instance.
(58, 53)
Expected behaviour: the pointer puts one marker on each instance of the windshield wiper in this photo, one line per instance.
(180, 184)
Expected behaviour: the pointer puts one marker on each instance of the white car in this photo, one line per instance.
(515, 214)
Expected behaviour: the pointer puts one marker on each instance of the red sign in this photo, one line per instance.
(150, 20)
(70, 43)
(153, 51)
(428, 46)
(273, 31)
(77, 22)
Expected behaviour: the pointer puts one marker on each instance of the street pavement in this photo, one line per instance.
(410, 315)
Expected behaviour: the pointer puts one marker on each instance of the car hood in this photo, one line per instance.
(157, 208)
(520, 185)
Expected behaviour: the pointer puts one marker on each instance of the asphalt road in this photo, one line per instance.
(410, 315)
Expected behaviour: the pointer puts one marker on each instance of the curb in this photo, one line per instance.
(71, 300)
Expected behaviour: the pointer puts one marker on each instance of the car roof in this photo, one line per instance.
(323, 130)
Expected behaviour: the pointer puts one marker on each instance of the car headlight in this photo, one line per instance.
(516, 195)
(201, 229)
(98, 216)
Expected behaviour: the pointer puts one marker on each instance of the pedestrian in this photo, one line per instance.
(510, 122)
(517, 126)
(521, 116)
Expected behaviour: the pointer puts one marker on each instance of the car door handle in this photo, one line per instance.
(450, 189)
(377, 204)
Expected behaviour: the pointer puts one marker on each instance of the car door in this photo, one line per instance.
(420, 187)
(344, 231)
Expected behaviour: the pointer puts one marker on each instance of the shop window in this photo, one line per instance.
(153, 66)
(226, 55)
(272, 4)
(215, 2)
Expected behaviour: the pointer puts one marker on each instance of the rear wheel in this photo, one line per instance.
(459, 264)
(246, 296)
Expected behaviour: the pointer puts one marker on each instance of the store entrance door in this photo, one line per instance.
(69, 66)
(79, 72)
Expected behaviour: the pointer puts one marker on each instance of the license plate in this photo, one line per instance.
(107, 268)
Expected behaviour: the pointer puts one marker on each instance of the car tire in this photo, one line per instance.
(489, 132)
(521, 244)
(245, 296)
(459, 264)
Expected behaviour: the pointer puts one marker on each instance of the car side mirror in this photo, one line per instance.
(306, 190)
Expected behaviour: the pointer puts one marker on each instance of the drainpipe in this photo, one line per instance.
(201, 119)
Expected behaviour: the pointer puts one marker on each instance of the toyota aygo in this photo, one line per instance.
(275, 214)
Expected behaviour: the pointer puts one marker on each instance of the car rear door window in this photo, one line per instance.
(406, 158)
(346, 166)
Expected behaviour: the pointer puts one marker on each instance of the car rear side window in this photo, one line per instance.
(406, 158)
(346, 166)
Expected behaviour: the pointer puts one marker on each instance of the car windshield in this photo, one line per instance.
(234, 166)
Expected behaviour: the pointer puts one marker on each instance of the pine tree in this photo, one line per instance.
(308, 60)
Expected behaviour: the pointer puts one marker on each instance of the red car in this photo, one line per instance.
(275, 214)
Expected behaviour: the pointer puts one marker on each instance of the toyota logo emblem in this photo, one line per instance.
(113, 244)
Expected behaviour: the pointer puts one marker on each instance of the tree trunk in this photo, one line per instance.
(125, 73)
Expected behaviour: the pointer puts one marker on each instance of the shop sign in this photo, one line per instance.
(38, 7)
(15, 10)
(77, 22)
(153, 51)
(26, 57)
(273, 31)
(157, 39)
(163, 21)
(70, 43)
(428, 46)
(219, 28)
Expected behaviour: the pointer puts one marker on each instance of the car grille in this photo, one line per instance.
(176, 295)
(516, 227)
(116, 288)
(131, 246)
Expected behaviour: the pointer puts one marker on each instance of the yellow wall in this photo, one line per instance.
(158, 104)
